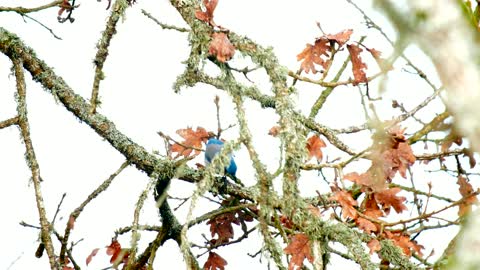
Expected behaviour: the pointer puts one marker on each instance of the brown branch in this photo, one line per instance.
(432, 156)
(329, 84)
(32, 161)
(436, 121)
(9, 122)
(102, 52)
(23, 10)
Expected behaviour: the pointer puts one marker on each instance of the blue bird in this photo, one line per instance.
(213, 147)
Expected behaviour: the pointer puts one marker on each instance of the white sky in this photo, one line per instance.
(143, 63)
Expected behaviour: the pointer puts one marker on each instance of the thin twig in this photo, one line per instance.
(43, 25)
(163, 25)
(75, 213)
(23, 10)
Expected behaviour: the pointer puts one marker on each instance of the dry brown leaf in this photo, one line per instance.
(314, 147)
(466, 190)
(314, 55)
(341, 38)
(374, 245)
(300, 249)
(221, 47)
(347, 203)
(358, 66)
(214, 262)
(388, 198)
(192, 141)
(207, 15)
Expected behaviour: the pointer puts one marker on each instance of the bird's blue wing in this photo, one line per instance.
(213, 147)
(232, 168)
(211, 150)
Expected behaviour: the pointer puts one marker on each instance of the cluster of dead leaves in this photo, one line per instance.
(118, 255)
(321, 54)
(220, 46)
(222, 226)
(391, 154)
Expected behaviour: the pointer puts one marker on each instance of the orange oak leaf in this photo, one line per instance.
(365, 225)
(92, 254)
(300, 249)
(373, 245)
(373, 178)
(207, 15)
(358, 66)
(404, 158)
(221, 47)
(467, 192)
(314, 147)
(313, 54)
(347, 203)
(388, 198)
(403, 241)
(214, 262)
(371, 210)
(192, 139)
(341, 38)
(360, 179)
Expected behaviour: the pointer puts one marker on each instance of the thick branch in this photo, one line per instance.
(9, 122)
(102, 53)
(14, 48)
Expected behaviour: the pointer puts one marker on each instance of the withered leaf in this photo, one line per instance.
(192, 139)
(314, 147)
(341, 38)
(207, 15)
(215, 262)
(358, 66)
(300, 249)
(388, 198)
(466, 190)
(221, 47)
(373, 245)
(314, 54)
(347, 202)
